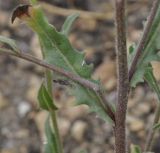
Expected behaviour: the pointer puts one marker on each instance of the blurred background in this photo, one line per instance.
(21, 120)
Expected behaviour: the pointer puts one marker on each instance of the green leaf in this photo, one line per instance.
(85, 96)
(55, 45)
(57, 50)
(149, 77)
(50, 146)
(68, 23)
(156, 126)
(150, 51)
(135, 149)
(45, 100)
(10, 42)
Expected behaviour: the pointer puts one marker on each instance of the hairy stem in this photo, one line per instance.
(123, 83)
(143, 38)
(84, 82)
(108, 108)
(73, 77)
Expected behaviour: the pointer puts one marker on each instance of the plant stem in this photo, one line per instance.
(48, 77)
(123, 83)
(108, 109)
(150, 138)
(56, 131)
(144, 38)
(84, 82)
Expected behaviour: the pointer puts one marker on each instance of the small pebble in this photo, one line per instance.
(34, 85)
(78, 130)
(74, 112)
(64, 125)
(135, 124)
(23, 108)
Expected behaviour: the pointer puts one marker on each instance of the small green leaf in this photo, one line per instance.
(68, 23)
(50, 146)
(45, 100)
(149, 77)
(135, 149)
(156, 126)
(10, 42)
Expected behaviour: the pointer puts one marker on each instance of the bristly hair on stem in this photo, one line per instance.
(122, 72)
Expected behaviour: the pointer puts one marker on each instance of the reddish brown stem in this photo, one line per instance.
(75, 78)
(123, 83)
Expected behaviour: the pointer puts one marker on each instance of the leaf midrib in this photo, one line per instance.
(58, 50)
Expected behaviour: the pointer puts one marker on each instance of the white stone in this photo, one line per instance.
(23, 108)
(78, 130)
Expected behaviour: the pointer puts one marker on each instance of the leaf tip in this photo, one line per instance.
(19, 11)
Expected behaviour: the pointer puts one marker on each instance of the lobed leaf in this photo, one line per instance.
(57, 50)
(56, 46)
(150, 51)
(10, 42)
(45, 100)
